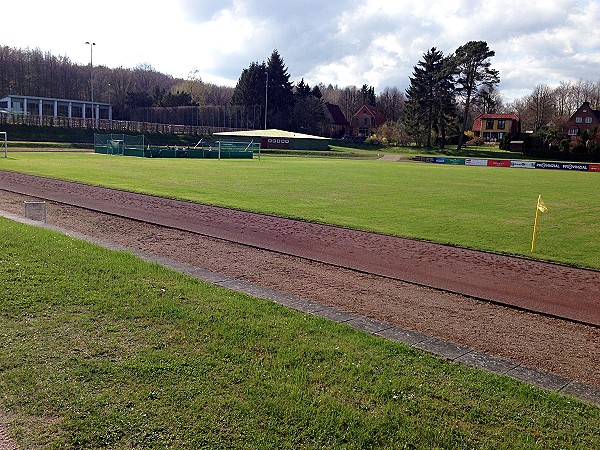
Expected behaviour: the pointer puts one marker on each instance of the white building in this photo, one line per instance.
(55, 107)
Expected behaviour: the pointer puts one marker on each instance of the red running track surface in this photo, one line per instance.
(548, 288)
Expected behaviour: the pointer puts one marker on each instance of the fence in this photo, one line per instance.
(126, 145)
(105, 124)
(118, 144)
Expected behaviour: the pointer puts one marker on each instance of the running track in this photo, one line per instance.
(547, 288)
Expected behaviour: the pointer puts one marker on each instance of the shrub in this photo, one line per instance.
(376, 140)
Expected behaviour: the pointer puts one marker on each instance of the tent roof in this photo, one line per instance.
(272, 133)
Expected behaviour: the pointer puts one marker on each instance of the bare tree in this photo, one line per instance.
(350, 101)
(391, 103)
(331, 94)
(541, 106)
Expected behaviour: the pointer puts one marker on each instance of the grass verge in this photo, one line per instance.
(102, 350)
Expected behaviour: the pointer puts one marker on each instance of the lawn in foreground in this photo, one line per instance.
(100, 349)
(479, 207)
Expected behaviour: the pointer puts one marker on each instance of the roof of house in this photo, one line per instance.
(586, 104)
(373, 111)
(336, 114)
(481, 117)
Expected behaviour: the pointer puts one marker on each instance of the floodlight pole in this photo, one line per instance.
(91, 44)
(266, 97)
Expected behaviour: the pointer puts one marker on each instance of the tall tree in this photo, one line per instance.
(445, 96)
(368, 95)
(488, 101)
(250, 88)
(349, 101)
(429, 95)
(472, 61)
(541, 106)
(280, 93)
(302, 89)
(308, 113)
(391, 103)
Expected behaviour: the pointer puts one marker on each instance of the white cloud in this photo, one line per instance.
(346, 42)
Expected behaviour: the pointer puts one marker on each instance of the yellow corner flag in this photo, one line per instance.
(541, 206)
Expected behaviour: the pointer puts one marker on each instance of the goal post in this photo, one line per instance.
(4, 142)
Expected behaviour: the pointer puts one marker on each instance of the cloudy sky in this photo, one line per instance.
(343, 42)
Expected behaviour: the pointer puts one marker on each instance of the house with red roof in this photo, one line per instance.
(492, 127)
(365, 121)
(337, 124)
(583, 119)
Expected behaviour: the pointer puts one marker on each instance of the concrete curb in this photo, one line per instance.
(435, 346)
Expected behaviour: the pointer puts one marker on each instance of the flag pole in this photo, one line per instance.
(541, 206)
(537, 211)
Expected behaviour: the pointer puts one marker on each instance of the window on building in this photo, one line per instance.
(578, 120)
(573, 131)
(363, 131)
(366, 121)
(486, 136)
(588, 120)
(48, 108)
(489, 124)
(33, 108)
(63, 109)
(501, 124)
(76, 111)
(18, 106)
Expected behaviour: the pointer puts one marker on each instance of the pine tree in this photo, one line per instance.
(429, 97)
(250, 88)
(473, 73)
(302, 89)
(280, 93)
(445, 95)
(308, 112)
(368, 95)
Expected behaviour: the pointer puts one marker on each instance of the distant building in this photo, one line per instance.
(493, 127)
(55, 107)
(583, 119)
(366, 120)
(276, 139)
(337, 125)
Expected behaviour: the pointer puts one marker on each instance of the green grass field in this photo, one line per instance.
(484, 208)
(99, 349)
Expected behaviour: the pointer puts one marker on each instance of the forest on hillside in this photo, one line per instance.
(142, 93)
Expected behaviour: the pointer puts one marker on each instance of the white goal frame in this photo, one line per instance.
(3, 142)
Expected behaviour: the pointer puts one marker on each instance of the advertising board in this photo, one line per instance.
(498, 163)
(476, 162)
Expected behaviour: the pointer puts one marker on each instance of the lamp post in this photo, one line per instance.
(91, 44)
(266, 97)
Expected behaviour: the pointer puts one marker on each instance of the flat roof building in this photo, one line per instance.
(55, 107)
(278, 139)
